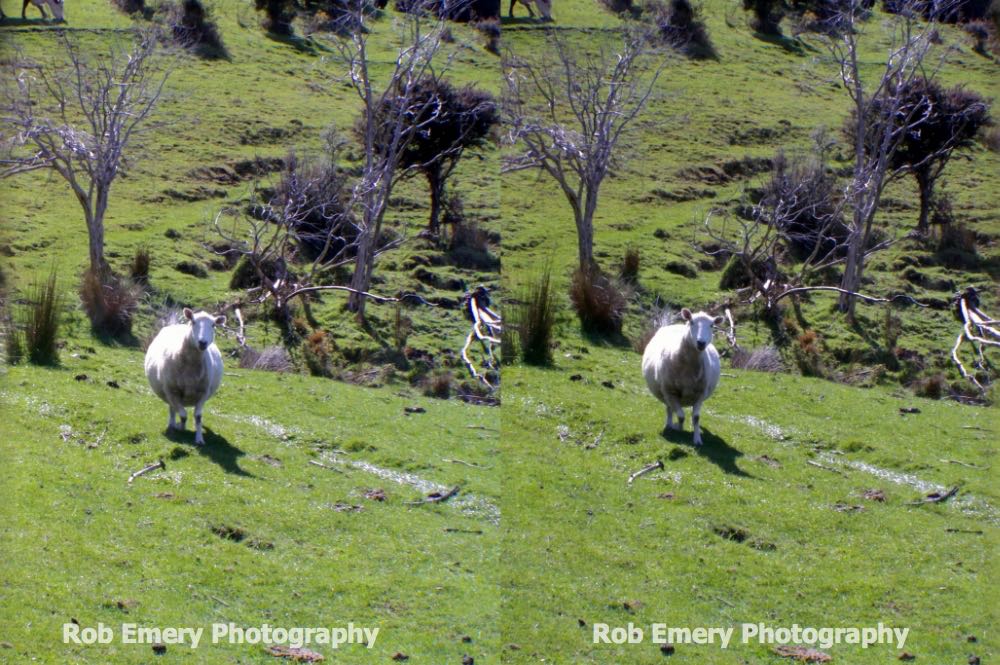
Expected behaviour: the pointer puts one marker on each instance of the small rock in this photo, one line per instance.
(576, 377)
(667, 649)
(80, 377)
(466, 639)
(906, 655)
(665, 495)
(399, 655)
(375, 494)
(974, 660)
(514, 647)
(468, 660)
(632, 605)
(971, 638)
(415, 409)
(6, 645)
(159, 648)
(581, 622)
(874, 495)
(607, 384)
(114, 384)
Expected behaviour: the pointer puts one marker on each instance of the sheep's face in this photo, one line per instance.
(203, 327)
(700, 327)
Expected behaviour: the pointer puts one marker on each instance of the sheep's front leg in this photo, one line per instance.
(172, 422)
(199, 440)
(182, 412)
(669, 425)
(696, 422)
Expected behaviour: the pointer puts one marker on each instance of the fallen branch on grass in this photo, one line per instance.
(435, 497)
(644, 470)
(837, 289)
(143, 471)
(977, 329)
(458, 461)
(935, 497)
(477, 304)
(955, 461)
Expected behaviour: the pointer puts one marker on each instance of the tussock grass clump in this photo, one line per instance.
(469, 247)
(618, 6)
(934, 386)
(271, 359)
(678, 25)
(598, 301)
(190, 26)
(535, 322)
(761, 359)
(130, 6)
(13, 341)
(317, 351)
(41, 318)
(278, 16)
(629, 271)
(438, 385)
(110, 303)
(139, 268)
(490, 29)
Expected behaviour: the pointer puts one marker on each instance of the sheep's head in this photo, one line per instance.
(203, 327)
(57, 9)
(700, 327)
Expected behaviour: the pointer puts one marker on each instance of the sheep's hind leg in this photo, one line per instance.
(696, 422)
(669, 425)
(182, 412)
(199, 439)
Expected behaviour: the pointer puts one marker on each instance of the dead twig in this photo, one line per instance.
(143, 471)
(826, 468)
(644, 470)
(325, 466)
(955, 461)
(458, 461)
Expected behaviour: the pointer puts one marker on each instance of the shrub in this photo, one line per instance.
(678, 25)
(139, 269)
(807, 354)
(767, 15)
(41, 322)
(946, 11)
(110, 303)
(271, 359)
(465, 11)
(190, 26)
(629, 271)
(278, 15)
(618, 6)
(761, 359)
(192, 268)
(802, 200)
(469, 247)
(535, 321)
(313, 196)
(598, 301)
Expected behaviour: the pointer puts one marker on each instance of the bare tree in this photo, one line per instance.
(566, 113)
(394, 112)
(78, 120)
(883, 116)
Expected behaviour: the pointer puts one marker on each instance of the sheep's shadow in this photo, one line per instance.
(713, 448)
(217, 448)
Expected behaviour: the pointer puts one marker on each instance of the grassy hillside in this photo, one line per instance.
(246, 529)
(769, 521)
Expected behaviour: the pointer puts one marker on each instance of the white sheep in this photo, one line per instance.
(184, 366)
(681, 367)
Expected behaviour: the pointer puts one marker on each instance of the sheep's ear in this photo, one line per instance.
(220, 320)
(686, 314)
(718, 321)
(188, 314)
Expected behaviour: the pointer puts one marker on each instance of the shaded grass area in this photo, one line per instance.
(315, 550)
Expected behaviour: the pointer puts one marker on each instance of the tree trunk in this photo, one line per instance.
(361, 280)
(926, 184)
(585, 231)
(849, 282)
(95, 233)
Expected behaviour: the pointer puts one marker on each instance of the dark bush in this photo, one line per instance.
(678, 25)
(110, 303)
(803, 201)
(130, 6)
(629, 271)
(932, 387)
(139, 269)
(767, 15)
(41, 317)
(191, 26)
(985, 35)
(192, 268)
(598, 301)
(946, 11)
(619, 6)
(469, 247)
(682, 268)
(735, 274)
(278, 15)
(535, 321)
(245, 274)
(461, 11)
